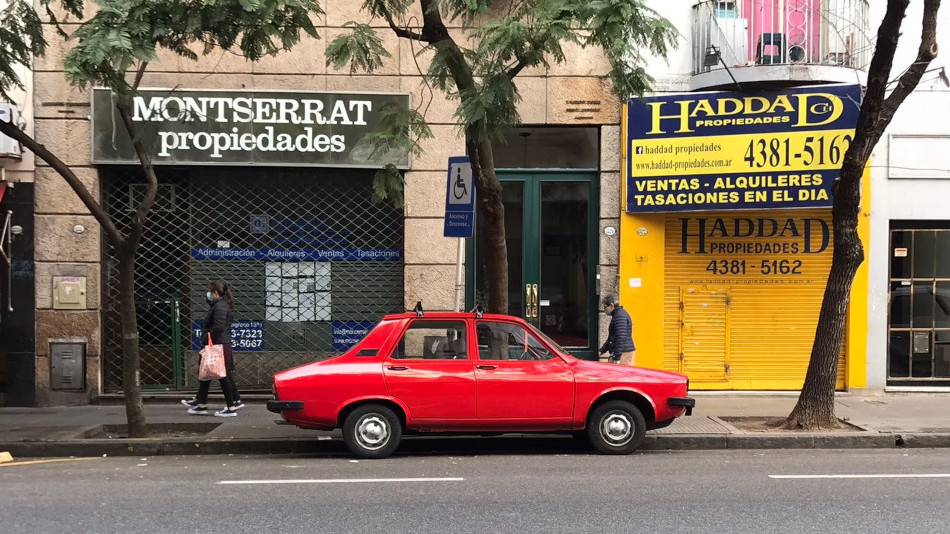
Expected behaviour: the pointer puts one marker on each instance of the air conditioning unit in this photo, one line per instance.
(731, 37)
(9, 148)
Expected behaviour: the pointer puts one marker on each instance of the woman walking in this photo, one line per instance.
(218, 323)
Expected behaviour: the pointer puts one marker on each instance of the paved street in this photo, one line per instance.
(712, 491)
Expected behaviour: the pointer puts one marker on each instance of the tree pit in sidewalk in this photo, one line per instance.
(157, 430)
(776, 424)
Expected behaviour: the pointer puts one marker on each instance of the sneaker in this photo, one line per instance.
(237, 405)
(191, 403)
(198, 410)
(227, 412)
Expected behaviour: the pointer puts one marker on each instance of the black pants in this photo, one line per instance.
(228, 383)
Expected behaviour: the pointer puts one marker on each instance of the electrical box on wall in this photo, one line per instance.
(67, 365)
(69, 292)
(9, 148)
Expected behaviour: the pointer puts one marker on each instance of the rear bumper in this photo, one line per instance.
(685, 402)
(278, 406)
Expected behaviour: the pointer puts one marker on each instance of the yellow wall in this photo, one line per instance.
(643, 292)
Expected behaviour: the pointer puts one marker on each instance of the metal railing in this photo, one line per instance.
(779, 32)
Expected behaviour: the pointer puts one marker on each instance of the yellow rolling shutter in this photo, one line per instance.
(742, 296)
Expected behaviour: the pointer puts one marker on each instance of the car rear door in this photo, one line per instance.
(520, 382)
(431, 372)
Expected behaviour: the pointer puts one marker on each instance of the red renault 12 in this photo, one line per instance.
(473, 373)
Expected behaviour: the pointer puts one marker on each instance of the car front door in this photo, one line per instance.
(431, 372)
(520, 382)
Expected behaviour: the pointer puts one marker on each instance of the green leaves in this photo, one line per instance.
(399, 132)
(389, 184)
(361, 49)
(623, 29)
(21, 37)
(124, 33)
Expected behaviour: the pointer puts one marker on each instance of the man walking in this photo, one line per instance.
(619, 334)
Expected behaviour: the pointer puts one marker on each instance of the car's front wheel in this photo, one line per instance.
(616, 427)
(372, 431)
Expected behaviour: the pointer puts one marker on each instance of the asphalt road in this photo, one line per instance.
(553, 492)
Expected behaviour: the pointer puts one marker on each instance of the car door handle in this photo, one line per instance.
(486, 367)
(398, 368)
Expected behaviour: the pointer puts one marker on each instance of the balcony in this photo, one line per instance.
(775, 43)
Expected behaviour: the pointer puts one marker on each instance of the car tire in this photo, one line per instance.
(372, 431)
(616, 427)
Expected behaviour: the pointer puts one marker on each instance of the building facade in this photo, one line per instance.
(727, 293)
(724, 236)
(313, 262)
(909, 251)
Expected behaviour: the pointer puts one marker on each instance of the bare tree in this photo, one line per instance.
(816, 403)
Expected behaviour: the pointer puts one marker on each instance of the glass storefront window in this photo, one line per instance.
(919, 311)
(924, 254)
(900, 264)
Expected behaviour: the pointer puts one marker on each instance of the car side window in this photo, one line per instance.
(433, 340)
(505, 341)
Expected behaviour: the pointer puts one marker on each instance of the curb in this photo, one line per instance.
(669, 442)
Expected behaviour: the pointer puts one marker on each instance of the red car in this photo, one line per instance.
(473, 373)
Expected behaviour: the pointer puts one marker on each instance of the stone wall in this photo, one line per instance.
(62, 124)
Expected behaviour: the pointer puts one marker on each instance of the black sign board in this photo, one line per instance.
(270, 128)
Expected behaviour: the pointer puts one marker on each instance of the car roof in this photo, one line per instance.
(450, 315)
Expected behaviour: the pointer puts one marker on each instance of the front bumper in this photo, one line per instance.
(278, 406)
(686, 402)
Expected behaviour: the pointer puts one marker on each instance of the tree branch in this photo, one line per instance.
(925, 54)
(434, 31)
(405, 33)
(124, 105)
(138, 76)
(112, 232)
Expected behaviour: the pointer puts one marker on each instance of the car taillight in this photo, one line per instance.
(273, 390)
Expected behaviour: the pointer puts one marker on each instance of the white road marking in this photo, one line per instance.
(340, 480)
(909, 475)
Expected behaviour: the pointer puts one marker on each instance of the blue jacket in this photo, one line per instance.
(619, 333)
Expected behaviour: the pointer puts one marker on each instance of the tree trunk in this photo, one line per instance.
(131, 379)
(816, 403)
(492, 210)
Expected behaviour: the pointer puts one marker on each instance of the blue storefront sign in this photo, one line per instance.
(246, 336)
(346, 334)
(728, 150)
(308, 254)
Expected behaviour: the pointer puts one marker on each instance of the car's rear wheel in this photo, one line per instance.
(372, 431)
(616, 427)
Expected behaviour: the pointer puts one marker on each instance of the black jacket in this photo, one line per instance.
(218, 323)
(619, 333)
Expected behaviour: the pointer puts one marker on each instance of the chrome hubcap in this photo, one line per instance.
(617, 428)
(372, 432)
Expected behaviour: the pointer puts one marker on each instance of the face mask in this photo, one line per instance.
(208, 296)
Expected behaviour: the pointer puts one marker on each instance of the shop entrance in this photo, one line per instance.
(704, 333)
(312, 262)
(551, 228)
(919, 318)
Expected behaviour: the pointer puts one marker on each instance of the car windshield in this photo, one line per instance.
(550, 341)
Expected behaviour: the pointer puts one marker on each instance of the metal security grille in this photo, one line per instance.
(311, 260)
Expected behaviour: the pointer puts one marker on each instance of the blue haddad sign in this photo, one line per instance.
(346, 334)
(246, 336)
(727, 150)
(309, 254)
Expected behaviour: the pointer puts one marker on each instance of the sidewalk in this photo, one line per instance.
(892, 420)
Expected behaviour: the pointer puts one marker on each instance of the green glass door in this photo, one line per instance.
(550, 225)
